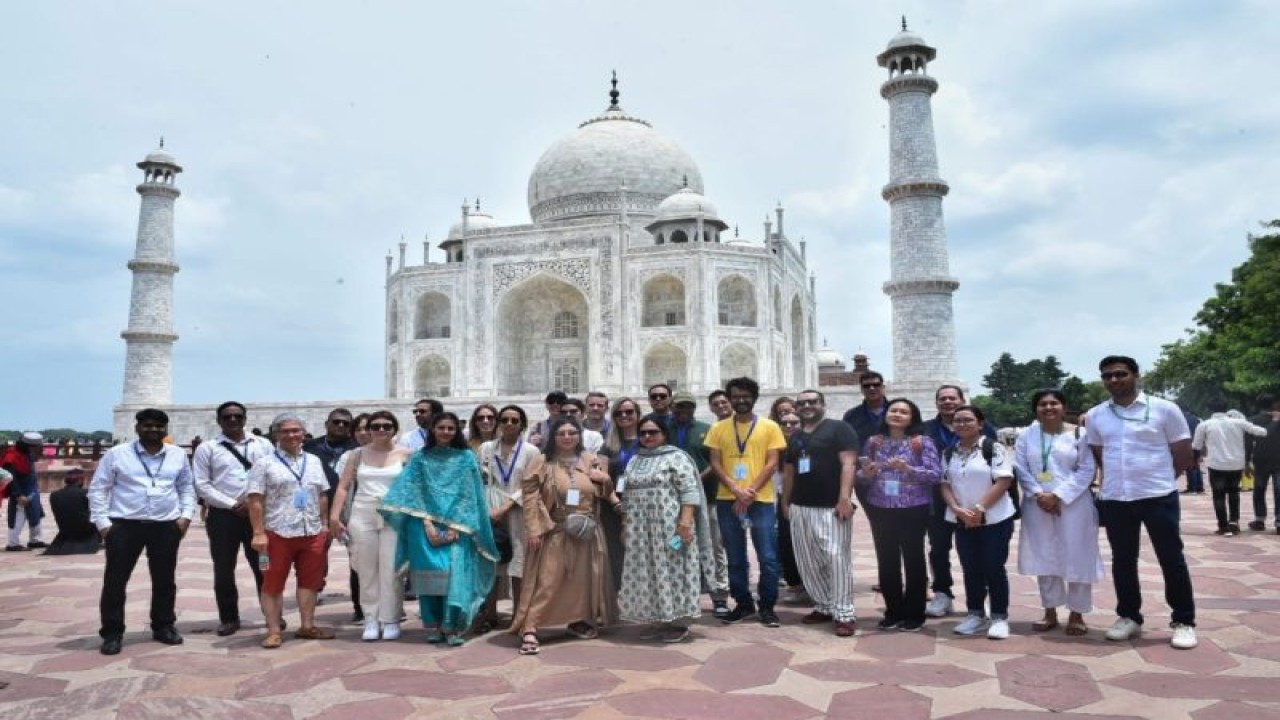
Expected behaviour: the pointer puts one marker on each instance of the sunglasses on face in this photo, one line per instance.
(808, 403)
(658, 396)
(649, 432)
(484, 418)
(1116, 375)
(509, 420)
(232, 417)
(382, 427)
(420, 411)
(339, 421)
(872, 386)
(627, 411)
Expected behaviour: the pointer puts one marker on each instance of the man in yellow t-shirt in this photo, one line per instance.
(745, 451)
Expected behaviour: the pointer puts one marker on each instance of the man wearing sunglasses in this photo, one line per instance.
(865, 418)
(660, 402)
(423, 411)
(1141, 444)
(330, 448)
(221, 467)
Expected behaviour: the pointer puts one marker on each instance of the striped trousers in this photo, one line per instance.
(823, 545)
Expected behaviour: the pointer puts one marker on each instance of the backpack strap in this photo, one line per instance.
(232, 449)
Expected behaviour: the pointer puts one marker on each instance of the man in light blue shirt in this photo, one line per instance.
(142, 497)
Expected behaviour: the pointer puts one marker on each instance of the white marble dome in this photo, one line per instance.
(829, 357)
(476, 220)
(685, 205)
(906, 38)
(582, 173)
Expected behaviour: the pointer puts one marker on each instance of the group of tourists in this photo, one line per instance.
(603, 512)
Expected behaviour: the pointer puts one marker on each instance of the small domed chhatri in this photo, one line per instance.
(688, 204)
(582, 173)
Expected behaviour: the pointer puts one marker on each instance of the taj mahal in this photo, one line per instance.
(625, 276)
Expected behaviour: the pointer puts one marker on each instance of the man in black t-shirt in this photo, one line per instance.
(817, 497)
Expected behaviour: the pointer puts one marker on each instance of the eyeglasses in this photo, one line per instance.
(964, 421)
(872, 385)
(381, 427)
(339, 421)
(509, 420)
(1115, 375)
(649, 432)
(804, 402)
(485, 418)
(230, 417)
(658, 396)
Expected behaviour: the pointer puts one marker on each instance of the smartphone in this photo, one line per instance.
(676, 543)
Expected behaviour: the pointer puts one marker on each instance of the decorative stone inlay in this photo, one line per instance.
(159, 266)
(1054, 685)
(921, 286)
(908, 83)
(893, 191)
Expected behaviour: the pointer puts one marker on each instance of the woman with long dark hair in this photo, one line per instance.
(437, 507)
(899, 469)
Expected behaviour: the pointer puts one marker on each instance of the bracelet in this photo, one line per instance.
(980, 508)
(684, 525)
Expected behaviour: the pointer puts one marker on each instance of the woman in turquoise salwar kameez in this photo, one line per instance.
(445, 540)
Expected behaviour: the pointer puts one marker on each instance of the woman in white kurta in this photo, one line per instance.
(504, 462)
(1059, 539)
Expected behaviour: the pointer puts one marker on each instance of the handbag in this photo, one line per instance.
(1246, 479)
(579, 526)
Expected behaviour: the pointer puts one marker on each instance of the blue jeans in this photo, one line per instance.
(764, 538)
(983, 552)
(1195, 478)
(1124, 522)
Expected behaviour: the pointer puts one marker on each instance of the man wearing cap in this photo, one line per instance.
(142, 497)
(70, 506)
(24, 492)
(690, 434)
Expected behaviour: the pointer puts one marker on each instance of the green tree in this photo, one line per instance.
(1233, 353)
(1012, 384)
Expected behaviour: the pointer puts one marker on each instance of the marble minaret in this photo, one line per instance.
(148, 365)
(920, 284)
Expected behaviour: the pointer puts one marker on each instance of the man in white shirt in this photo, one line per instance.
(575, 409)
(1141, 444)
(142, 496)
(1221, 440)
(221, 468)
(423, 410)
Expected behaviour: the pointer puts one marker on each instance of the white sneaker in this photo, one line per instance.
(370, 631)
(939, 606)
(391, 631)
(1126, 629)
(1184, 637)
(999, 629)
(970, 625)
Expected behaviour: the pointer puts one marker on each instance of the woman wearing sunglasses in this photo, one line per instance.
(482, 427)
(620, 446)
(667, 537)
(504, 461)
(367, 474)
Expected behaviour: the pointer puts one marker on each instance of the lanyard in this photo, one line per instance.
(682, 436)
(1046, 448)
(296, 474)
(801, 440)
(142, 460)
(626, 452)
(506, 472)
(742, 441)
(422, 433)
(1146, 415)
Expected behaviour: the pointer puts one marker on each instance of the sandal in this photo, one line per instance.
(583, 630)
(272, 641)
(1076, 627)
(1045, 624)
(454, 640)
(435, 637)
(313, 633)
(529, 643)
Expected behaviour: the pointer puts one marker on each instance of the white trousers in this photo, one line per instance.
(823, 544)
(373, 555)
(721, 574)
(1054, 591)
(19, 522)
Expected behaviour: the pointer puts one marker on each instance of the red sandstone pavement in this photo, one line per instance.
(50, 667)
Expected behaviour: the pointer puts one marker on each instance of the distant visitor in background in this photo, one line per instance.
(70, 507)
(24, 492)
(1264, 453)
(1221, 439)
(423, 411)
(1195, 476)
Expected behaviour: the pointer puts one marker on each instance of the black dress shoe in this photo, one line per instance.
(228, 628)
(111, 646)
(16, 548)
(167, 635)
(37, 545)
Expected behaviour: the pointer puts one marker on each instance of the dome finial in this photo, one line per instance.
(477, 204)
(685, 180)
(904, 23)
(613, 92)
(162, 141)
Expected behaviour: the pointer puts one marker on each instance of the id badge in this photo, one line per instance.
(300, 498)
(803, 465)
(573, 497)
(891, 488)
(155, 491)
(740, 471)
(1044, 477)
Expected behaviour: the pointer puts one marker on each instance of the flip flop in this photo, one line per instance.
(1044, 625)
(453, 640)
(529, 646)
(435, 637)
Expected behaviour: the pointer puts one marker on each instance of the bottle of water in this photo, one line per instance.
(745, 519)
(264, 562)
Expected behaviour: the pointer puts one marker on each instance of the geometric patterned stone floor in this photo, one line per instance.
(50, 666)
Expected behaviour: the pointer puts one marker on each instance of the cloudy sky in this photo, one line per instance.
(1107, 159)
